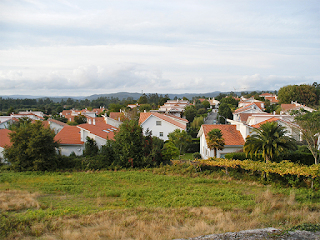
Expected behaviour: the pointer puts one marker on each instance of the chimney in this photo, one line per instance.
(89, 121)
(93, 121)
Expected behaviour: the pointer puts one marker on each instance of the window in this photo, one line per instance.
(158, 123)
(161, 134)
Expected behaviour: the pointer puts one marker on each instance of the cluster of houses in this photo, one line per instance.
(249, 115)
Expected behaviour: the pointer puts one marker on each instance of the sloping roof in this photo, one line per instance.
(100, 129)
(258, 104)
(69, 135)
(175, 117)
(273, 119)
(286, 107)
(5, 138)
(265, 94)
(58, 122)
(272, 99)
(229, 132)
(145, 116)
(116, 115)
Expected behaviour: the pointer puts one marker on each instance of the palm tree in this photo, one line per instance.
(270, 140)
(215, 141)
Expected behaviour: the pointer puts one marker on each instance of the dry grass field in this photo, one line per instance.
(144, 205)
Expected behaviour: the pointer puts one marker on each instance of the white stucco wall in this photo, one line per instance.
(55, 127)
(207, 153)
(112, 122)
(100, 141)
(165, 127)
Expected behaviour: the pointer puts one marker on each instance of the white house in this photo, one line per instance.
(161, 124)
(56, 125)
(5, 121)
(69, 138)
(233, 140)
(250, 108)
(73, 138)
(4, 141)
(291, 128)
(287, 108)
(98, 131)
(174, 107)
(247, 101)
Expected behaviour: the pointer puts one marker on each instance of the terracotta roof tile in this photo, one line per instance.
(273, 119)
(116, 115)
(101, 129)
(229, 132)
(286, 107)
(5, 138)
(69, 135)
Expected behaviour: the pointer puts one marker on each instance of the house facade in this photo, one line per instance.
(73, 138)
(69, 139)
(233, 140)
(161, 124)
(4, 141)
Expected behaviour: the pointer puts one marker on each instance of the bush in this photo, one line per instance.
(196, 155)
(243, 156)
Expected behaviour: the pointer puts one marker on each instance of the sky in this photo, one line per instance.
(80, 48)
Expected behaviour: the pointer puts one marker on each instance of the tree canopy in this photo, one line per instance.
(33, 148)
(309, 125)
(270, 140)
(215, 141)
(180, 139)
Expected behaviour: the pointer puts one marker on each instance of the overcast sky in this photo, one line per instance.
(74, 48)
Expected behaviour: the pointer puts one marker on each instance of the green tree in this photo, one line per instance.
(80, 119)
(143, 99)
(90, 148)
(270, 140)
(215, 141)
(170, 151)
(180, 139)
(224, 111)
(145, 107)
(309, 125)
(190, 112)
(129, 144)
(206, 104)
(304, 94)
(33, 148)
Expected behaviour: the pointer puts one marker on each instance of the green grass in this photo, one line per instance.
(187, 156)
(75, 194)
(127, 189)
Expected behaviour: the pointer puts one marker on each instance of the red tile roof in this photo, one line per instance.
(145, 116)
(286, 107)
(100, 129)
(272, 99)
(5, 138)
(265, 94)
(69, 135)
(119, 116)
(273, 119)
(229, 132)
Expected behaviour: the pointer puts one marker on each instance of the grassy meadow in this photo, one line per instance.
(161, 203)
